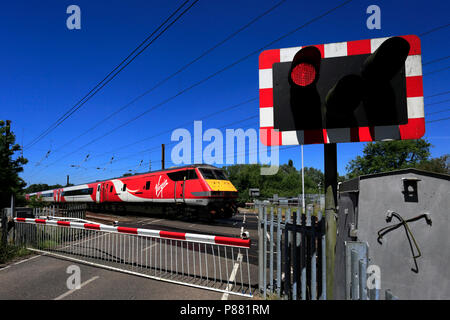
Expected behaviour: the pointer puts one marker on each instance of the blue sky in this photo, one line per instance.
(47, 68)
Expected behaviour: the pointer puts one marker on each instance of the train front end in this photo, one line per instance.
(222, 195)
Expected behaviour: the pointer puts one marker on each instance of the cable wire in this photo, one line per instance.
(99, 86)
(215, 74)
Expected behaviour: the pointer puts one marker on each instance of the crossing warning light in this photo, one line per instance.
(354, 85)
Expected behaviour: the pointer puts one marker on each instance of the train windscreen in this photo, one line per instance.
(211, 174)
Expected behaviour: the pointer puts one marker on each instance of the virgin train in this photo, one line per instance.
(194, 190)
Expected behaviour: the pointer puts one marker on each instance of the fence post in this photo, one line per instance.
(331, 228)
(313, 257)
(294, 256)
(260, 247)
(287, 255)
(265, 252)
(323, 258)
(271, 251)
(4, 227)
(279, 252)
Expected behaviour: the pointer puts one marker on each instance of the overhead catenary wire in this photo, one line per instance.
(439, 111)
(138, 153)
(214, 74)
(184, 67)
(245, 153)
(154, 147)
(438, 94)
(435, 60)
(438, 102)
(166, 131)
(436, 71)
(437, 120)
(434, 29)
(90, 177)
(107, 79)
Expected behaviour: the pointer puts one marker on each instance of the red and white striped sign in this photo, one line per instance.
(227, 241)
(414, 129)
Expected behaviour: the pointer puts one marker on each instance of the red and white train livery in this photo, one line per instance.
(192, 190)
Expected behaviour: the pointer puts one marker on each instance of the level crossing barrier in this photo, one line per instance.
(202, 261)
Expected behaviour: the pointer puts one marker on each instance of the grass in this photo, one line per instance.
(9, 253)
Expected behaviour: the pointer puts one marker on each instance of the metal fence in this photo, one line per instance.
(317, 200)
(291, 252)
(209, 262)
(70, 210)
(363, 281)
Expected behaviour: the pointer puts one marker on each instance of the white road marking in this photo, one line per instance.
(154, 221)
(147, 219)
(5, 268)
(73, 290)
(19, 262)
(150, 247)
(232, 276)
(75, 243)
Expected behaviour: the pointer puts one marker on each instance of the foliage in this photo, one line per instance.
(10, 182)
(10, 252)
(438, 165)
(382, 156)
(41, 187)
(35, 202)
(287, 182)
(395, 155)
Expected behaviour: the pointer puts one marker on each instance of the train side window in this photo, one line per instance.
(124, 187)
(180, 175)
(191, 175)
(111, 189)
(177, 175)
(147, 185)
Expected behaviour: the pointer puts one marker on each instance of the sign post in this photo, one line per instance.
(330, 159)
(355, 91)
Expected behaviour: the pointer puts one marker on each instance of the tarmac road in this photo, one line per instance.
(43, 277)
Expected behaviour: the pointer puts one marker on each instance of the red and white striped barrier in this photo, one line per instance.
(227, 241)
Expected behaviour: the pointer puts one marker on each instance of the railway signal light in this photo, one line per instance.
(304, 99)
(351, 91)
(363, 90)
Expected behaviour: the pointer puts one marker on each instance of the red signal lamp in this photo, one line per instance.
(305, 67)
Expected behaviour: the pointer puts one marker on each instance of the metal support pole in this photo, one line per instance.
(260, 248)
(303, 186)
(330, 160)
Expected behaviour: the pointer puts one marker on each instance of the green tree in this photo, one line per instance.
(10, 166)
(290, 163)
(287, 182)
(41, 187)
(385, 156)
(438, 165)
